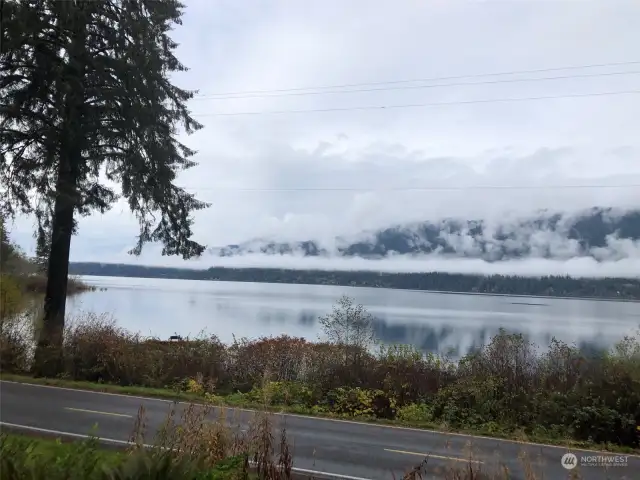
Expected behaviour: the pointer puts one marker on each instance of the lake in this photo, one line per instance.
(436, 322)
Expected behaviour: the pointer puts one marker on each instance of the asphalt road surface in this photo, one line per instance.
(321, 447)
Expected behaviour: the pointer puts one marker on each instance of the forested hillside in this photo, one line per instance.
(614, 288)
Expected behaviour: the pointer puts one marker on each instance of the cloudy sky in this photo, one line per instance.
(271, 174)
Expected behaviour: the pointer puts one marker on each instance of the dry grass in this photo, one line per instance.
(472, 469)
(203, 437)
(37, 284)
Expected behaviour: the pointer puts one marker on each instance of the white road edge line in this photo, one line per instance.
(327, 474)
(124, 442)
(68, 434)
(324, 419)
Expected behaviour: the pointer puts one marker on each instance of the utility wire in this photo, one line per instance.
(417, 87)
(419, 105)
(407, 189)
(432, 79)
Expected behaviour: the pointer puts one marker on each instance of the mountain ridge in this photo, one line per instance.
(600, 233)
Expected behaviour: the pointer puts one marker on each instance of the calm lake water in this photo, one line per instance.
(434, 322)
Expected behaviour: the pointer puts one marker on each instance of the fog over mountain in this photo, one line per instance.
(340, 182)
(603, 234)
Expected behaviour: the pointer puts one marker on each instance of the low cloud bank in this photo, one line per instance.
(576, 267)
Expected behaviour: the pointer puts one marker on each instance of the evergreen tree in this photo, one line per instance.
(85, 96)
(43, 244)
(6, 249)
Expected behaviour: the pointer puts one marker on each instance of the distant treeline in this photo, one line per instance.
(553, 286)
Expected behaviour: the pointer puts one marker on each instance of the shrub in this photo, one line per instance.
(361, 402)
(16, 332)
(279, 359)
(14, 350)
(23, 457)
(416, 413)
(350, 327)
(10, 297)
(283, 393)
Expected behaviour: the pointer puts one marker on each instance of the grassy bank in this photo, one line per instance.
(46, 459)
(37, 284)
(508, 388)
(19, 292)
(20, 454)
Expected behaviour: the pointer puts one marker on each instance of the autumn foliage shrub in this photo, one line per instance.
(96, 349)
(362, 402)
(507, 385)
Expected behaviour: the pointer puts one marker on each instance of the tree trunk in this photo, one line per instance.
(48, 354)
(49, 347)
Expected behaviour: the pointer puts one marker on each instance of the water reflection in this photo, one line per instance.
(432, 322)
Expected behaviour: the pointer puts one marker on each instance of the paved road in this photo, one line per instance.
(340, 448)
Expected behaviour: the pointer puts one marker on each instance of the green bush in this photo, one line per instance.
(14, 345)
(415, 413)
(470, 402)
(164, 467)
(14, 350)
(23, 457)
(283, 393)
(361, 402)
(38, 459)
(10, 297)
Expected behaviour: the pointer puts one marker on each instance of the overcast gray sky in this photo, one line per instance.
(234, 46)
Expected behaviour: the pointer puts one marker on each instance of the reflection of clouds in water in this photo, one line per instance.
(431, 322)
(457, 342)
(275, 316)
(446, 338)
(460, 332)
(307, 318)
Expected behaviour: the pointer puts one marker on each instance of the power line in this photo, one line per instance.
(418, 105)
(417, 87)
(433, 79)
(407, 189)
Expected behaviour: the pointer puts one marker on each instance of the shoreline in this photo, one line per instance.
(445, 292)
(516, 295)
